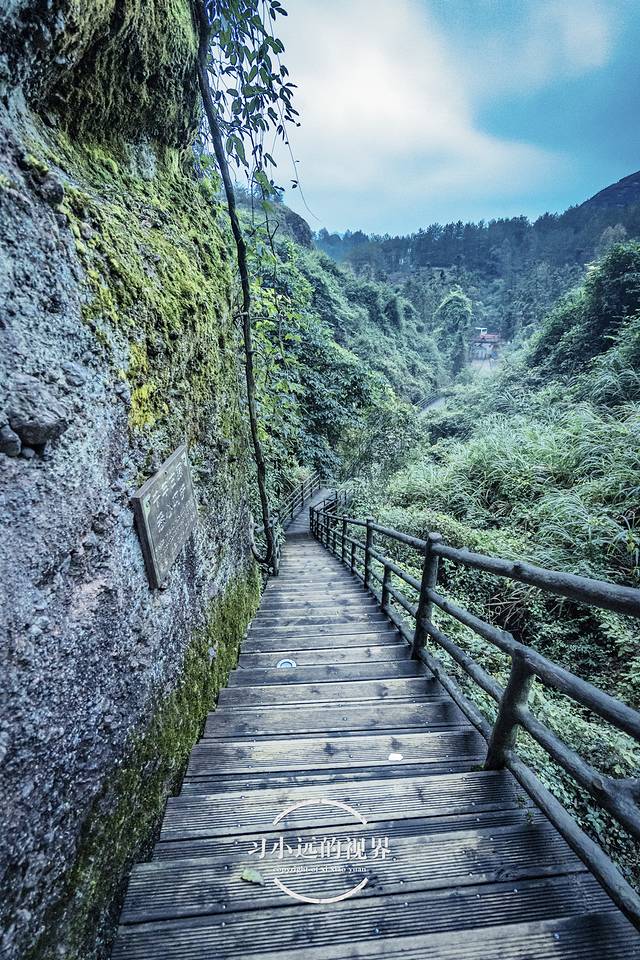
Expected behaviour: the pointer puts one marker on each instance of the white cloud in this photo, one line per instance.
(388, 101)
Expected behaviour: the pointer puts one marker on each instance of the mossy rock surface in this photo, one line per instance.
(121, 312)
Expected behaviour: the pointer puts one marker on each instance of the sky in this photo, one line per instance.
(423, 111)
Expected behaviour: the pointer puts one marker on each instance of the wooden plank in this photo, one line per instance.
(323, 673)
(288, 590)
(328, 692)
(388, 715)
(219, 757)
(412, 827)
(327, 641)
(377, 799)
(317, 608)
(330, 935)
(309, 658)
(343, 629)
(330, 583)
(324, 619)
(372, 927)
(204, 886)
(246, 781)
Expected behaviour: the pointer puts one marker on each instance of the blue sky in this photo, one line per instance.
(415, 111)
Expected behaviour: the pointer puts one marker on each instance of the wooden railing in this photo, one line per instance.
(290, 505)
(298, 495)
(619, 797)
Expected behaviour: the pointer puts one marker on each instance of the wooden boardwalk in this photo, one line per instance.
(458, 863)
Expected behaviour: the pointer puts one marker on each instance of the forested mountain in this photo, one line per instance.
(512, 269)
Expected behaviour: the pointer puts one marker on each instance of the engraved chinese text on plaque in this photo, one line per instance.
(166, 514)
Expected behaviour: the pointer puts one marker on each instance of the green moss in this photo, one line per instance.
(36, 165)
(117, 830)
(140, 84)
(159, 279)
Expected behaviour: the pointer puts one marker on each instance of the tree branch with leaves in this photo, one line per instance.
(246, 95)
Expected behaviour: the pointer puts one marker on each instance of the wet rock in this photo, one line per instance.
(74, 375)
(34, 413)
(9, 441)
(51, 190)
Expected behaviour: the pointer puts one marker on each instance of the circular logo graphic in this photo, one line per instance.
(315, 868)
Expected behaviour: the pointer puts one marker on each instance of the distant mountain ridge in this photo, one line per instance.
(624, 193)
(511, 268)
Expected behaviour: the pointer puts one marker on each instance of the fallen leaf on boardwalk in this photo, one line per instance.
(252, 876)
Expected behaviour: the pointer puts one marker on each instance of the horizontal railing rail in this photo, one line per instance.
(620, 797)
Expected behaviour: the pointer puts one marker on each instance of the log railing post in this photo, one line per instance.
(333, 536)
(386, 580)
(505, 729)
(425, 607)
(344, 539)
(367, 551)
(353, 556)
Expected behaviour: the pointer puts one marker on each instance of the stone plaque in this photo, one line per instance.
(166, 513)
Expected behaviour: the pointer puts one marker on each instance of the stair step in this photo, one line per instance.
(265, 755)
(310, 658)
(413, 826)
(322, 673)
(208, 886)
(263, 621)
(284, 642)
(328, 692)
(522, 925)
(376, 799)
(389, 715)
(247, 782)
(335, 629)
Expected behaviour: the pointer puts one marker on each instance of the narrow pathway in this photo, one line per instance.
(326, 714)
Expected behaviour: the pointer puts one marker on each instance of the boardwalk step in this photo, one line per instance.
(377, 670)
(264, 624)
(503, 916)
(211, 757)
(376, 799)
(315, 607)
(246, 781)
(390, 715)
(204, 886)
(265, 644)
(329, 692)
(320, 626)
(409, 827)
(314, 657)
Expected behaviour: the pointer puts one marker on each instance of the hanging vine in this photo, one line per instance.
(245, 96)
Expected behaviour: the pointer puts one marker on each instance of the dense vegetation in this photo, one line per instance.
(337, 355)
(514, 270)
(542, 462)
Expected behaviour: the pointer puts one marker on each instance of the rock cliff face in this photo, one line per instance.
(116, 343)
